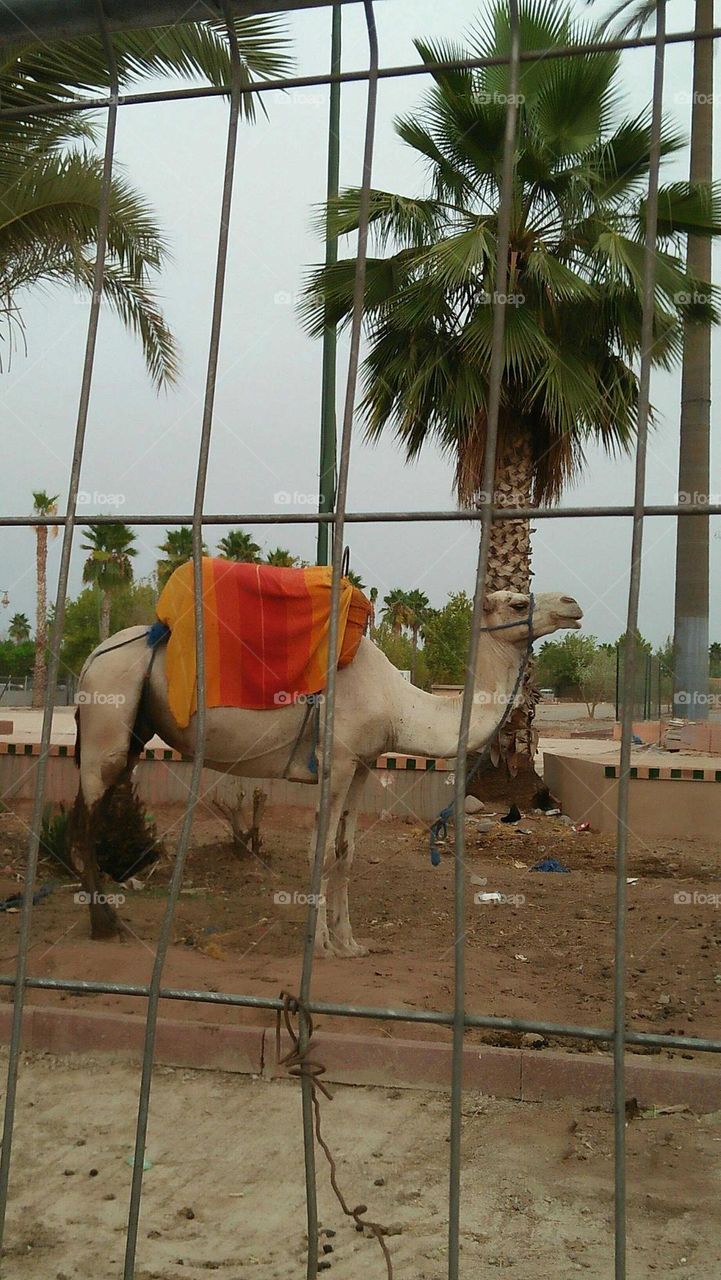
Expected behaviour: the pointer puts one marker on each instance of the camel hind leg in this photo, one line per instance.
(109, 701)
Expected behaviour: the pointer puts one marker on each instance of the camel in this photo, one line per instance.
(123, 701)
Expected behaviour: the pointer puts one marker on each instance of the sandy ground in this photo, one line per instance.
(546, 952)
(224, 1192)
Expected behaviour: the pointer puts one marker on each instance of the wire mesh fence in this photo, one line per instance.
(49, 20)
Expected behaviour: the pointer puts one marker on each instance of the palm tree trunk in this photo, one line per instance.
(509, 555)
(41, 617)
(104, 615)
(691, 628)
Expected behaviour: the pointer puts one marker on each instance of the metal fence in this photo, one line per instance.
(50, 18)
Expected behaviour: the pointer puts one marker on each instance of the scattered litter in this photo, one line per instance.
(552, 813)
(550, 864)
(134, 883)
(520, 866)
(15, 901)
(487, 897)
(632, 880)
(514, 814)
(582, 826)
(637, 742)
(524, 831)
(520, 956)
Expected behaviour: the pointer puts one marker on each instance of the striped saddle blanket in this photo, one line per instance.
(265, 634)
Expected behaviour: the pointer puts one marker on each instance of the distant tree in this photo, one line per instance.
(16, 659)
(239, 545)
(714, 654)
(43, 505)
(373, 597)
(109, 565)
(281, 558)
(561, 663)
(131, 605)
(398, 649)
(396, 610)
(447, 640)
(597, 680)
(418, 614)
(19, 629)
(355, 580)
(176, 550)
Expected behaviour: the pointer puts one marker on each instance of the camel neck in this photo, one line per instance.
(429, 724)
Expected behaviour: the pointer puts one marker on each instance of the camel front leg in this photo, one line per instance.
(341, 932)
(340, 782)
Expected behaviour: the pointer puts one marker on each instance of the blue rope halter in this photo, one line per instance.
(439, 829)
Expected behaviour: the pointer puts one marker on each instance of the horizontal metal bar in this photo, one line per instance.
(430, 1017)
(380, 517)
(348, 77)
(60, 20)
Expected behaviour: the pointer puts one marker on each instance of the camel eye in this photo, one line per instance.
(520, 607)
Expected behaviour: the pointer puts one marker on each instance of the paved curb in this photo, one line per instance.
(527, 1075)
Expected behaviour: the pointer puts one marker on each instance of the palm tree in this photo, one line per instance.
(396, 611)
(109, 565)
(238, 545)
(19, 629)
(43, 505)
(373, 596)
(176, 550)
(418, 606)
(50, 180)
(691, 605)
(575, 272)
(281, 558)
(355, 580)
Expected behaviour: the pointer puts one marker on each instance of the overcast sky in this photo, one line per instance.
(141, 449)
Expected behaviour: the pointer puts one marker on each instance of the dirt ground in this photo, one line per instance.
(546, 952)
(224, 1191)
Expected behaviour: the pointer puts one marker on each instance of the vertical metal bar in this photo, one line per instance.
(330, 334)
(329, 706)
(619, 1080)
(57, 631)
(200, 719)
(486, 509)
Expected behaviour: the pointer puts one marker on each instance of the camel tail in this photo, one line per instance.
(77, 738)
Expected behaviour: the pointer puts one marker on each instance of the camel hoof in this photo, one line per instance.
(349, 950)
(323, 949)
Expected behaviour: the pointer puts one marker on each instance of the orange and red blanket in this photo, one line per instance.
(266, 634)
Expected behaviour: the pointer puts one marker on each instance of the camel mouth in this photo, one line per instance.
(569, 621)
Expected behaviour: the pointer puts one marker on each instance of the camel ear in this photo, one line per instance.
(486, 605)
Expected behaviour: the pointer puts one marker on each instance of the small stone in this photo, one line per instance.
(327, 1248)
(532, 1040)
(186, 1213)
(324, 1265)
(153, 1235)
(80, 1142)
(473, 805)
(379, 1182)
(93, 1173)
(68, 1172)
(329, 1232)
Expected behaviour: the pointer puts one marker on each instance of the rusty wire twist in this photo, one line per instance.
(298, 1062)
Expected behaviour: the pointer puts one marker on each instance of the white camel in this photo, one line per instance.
(123, 703)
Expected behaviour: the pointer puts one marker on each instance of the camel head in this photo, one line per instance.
(551, 612)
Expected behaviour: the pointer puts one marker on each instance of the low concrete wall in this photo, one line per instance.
(671, 808)
(400, 793)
